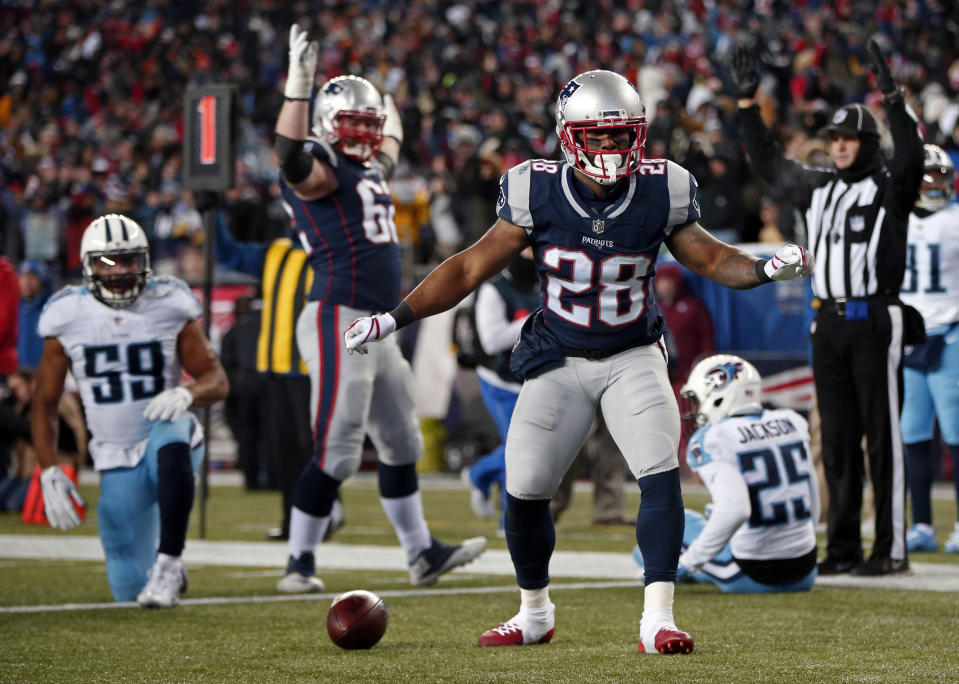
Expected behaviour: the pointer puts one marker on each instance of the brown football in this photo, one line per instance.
(357, 619)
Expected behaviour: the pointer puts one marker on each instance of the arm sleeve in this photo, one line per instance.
(247, 257)
(730, 510)
(496, 332)
(906, 163)
(513, 203)
(682, 189)
(786, 179)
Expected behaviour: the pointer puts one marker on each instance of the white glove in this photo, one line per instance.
(302, 71)
(393, 126)
(169, 404)
(58, 490)
(368, 329)
(792, 261)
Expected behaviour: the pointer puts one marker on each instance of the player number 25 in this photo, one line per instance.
(622, 279)
(144, 364)
(782, 467)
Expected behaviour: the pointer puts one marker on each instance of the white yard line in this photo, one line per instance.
(564, 564)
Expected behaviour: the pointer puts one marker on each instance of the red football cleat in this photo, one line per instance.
(670, 641)
(509, 634)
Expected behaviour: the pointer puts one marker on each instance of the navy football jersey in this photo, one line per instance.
(596, 256)
(349, 235)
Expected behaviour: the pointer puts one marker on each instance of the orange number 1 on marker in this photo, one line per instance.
(207, 109)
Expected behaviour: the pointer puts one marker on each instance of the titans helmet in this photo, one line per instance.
(938, 179)
(116, 260)
(597, 103)
(348, 112)
(719, 386)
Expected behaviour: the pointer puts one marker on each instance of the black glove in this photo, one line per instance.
(745, 71)
(881, 70)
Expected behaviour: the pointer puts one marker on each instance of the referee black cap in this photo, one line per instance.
(854, 119)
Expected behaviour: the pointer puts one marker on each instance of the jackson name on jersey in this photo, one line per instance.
(121, 358)
(595, 255)
(771, 452)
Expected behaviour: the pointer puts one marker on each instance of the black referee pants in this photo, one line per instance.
(288, 433)
(857, 367)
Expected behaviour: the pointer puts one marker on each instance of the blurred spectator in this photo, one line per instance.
(769, 230)
(34, 292)
(411, 201)
(687, 320)
(9, 307)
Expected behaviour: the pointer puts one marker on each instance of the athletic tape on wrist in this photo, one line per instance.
(760, 267)
(403, 315)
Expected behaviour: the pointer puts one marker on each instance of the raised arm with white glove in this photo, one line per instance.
(302, 71)
(791, 261)
(169, 404)
(58, 490)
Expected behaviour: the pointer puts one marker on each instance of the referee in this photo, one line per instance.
(856, 218)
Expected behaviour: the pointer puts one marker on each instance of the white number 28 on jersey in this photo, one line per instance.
(621, 281)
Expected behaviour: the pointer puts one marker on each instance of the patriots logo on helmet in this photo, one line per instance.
(720, 376)
(566, 92)
(333, 88)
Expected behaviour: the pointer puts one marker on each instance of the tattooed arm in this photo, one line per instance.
(704, 255)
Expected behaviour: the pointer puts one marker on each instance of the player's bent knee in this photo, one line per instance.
(165, 432)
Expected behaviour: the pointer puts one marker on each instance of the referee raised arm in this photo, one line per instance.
(856, 217)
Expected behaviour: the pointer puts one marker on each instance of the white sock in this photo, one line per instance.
(658, 605)
(305, 531)
(167, 559)
(534, 599)
(405, 513)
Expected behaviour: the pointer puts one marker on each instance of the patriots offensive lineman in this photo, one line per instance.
(596, 221)
(761, 535)
(931, 370)
(125, 335)
(336, 186)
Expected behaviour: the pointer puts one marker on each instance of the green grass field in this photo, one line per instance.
(848, 634)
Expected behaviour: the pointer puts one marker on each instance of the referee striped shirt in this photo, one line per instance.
(856, 230)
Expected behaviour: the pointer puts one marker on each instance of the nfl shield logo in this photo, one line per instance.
(599, 225)
(857, 223)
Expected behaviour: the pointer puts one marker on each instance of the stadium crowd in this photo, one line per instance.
(91, 116)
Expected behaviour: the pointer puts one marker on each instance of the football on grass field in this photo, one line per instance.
(357, 619)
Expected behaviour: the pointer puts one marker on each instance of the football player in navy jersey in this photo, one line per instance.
(596, 221)
(335, 185)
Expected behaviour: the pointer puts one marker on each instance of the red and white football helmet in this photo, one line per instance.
(595, 103)
(348, 112)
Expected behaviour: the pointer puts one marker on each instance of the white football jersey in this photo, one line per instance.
(121, 358)
(931, 283)
(758, 464)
